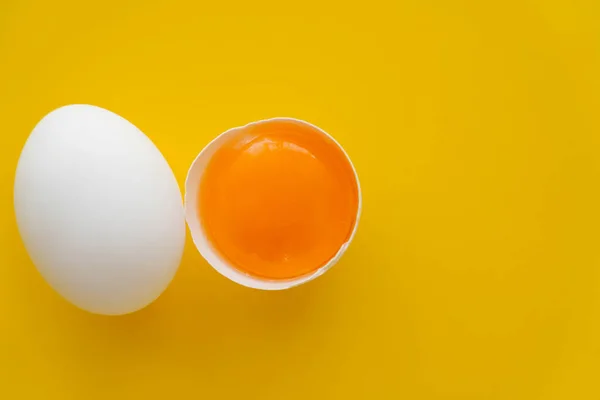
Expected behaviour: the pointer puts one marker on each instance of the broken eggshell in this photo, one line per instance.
(199, 236)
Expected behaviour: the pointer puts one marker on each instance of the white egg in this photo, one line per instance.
(99, 210)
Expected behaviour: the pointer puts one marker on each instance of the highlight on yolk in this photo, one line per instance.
(278, 200)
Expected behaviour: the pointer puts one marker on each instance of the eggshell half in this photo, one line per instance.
(194, 220)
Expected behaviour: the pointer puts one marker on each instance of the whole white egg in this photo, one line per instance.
(99, 210)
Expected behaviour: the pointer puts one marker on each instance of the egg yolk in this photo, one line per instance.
(278, 200)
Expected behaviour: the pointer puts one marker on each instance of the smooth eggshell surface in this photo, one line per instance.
(99, 210)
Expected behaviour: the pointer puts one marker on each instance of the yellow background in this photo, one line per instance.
(475, 129)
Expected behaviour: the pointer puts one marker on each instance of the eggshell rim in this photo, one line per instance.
(204, 246)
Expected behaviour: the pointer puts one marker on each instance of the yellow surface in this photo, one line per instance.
(475, 129)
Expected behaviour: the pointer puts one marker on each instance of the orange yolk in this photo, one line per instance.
(278, 199)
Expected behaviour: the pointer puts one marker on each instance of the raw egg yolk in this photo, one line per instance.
(278, 199)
